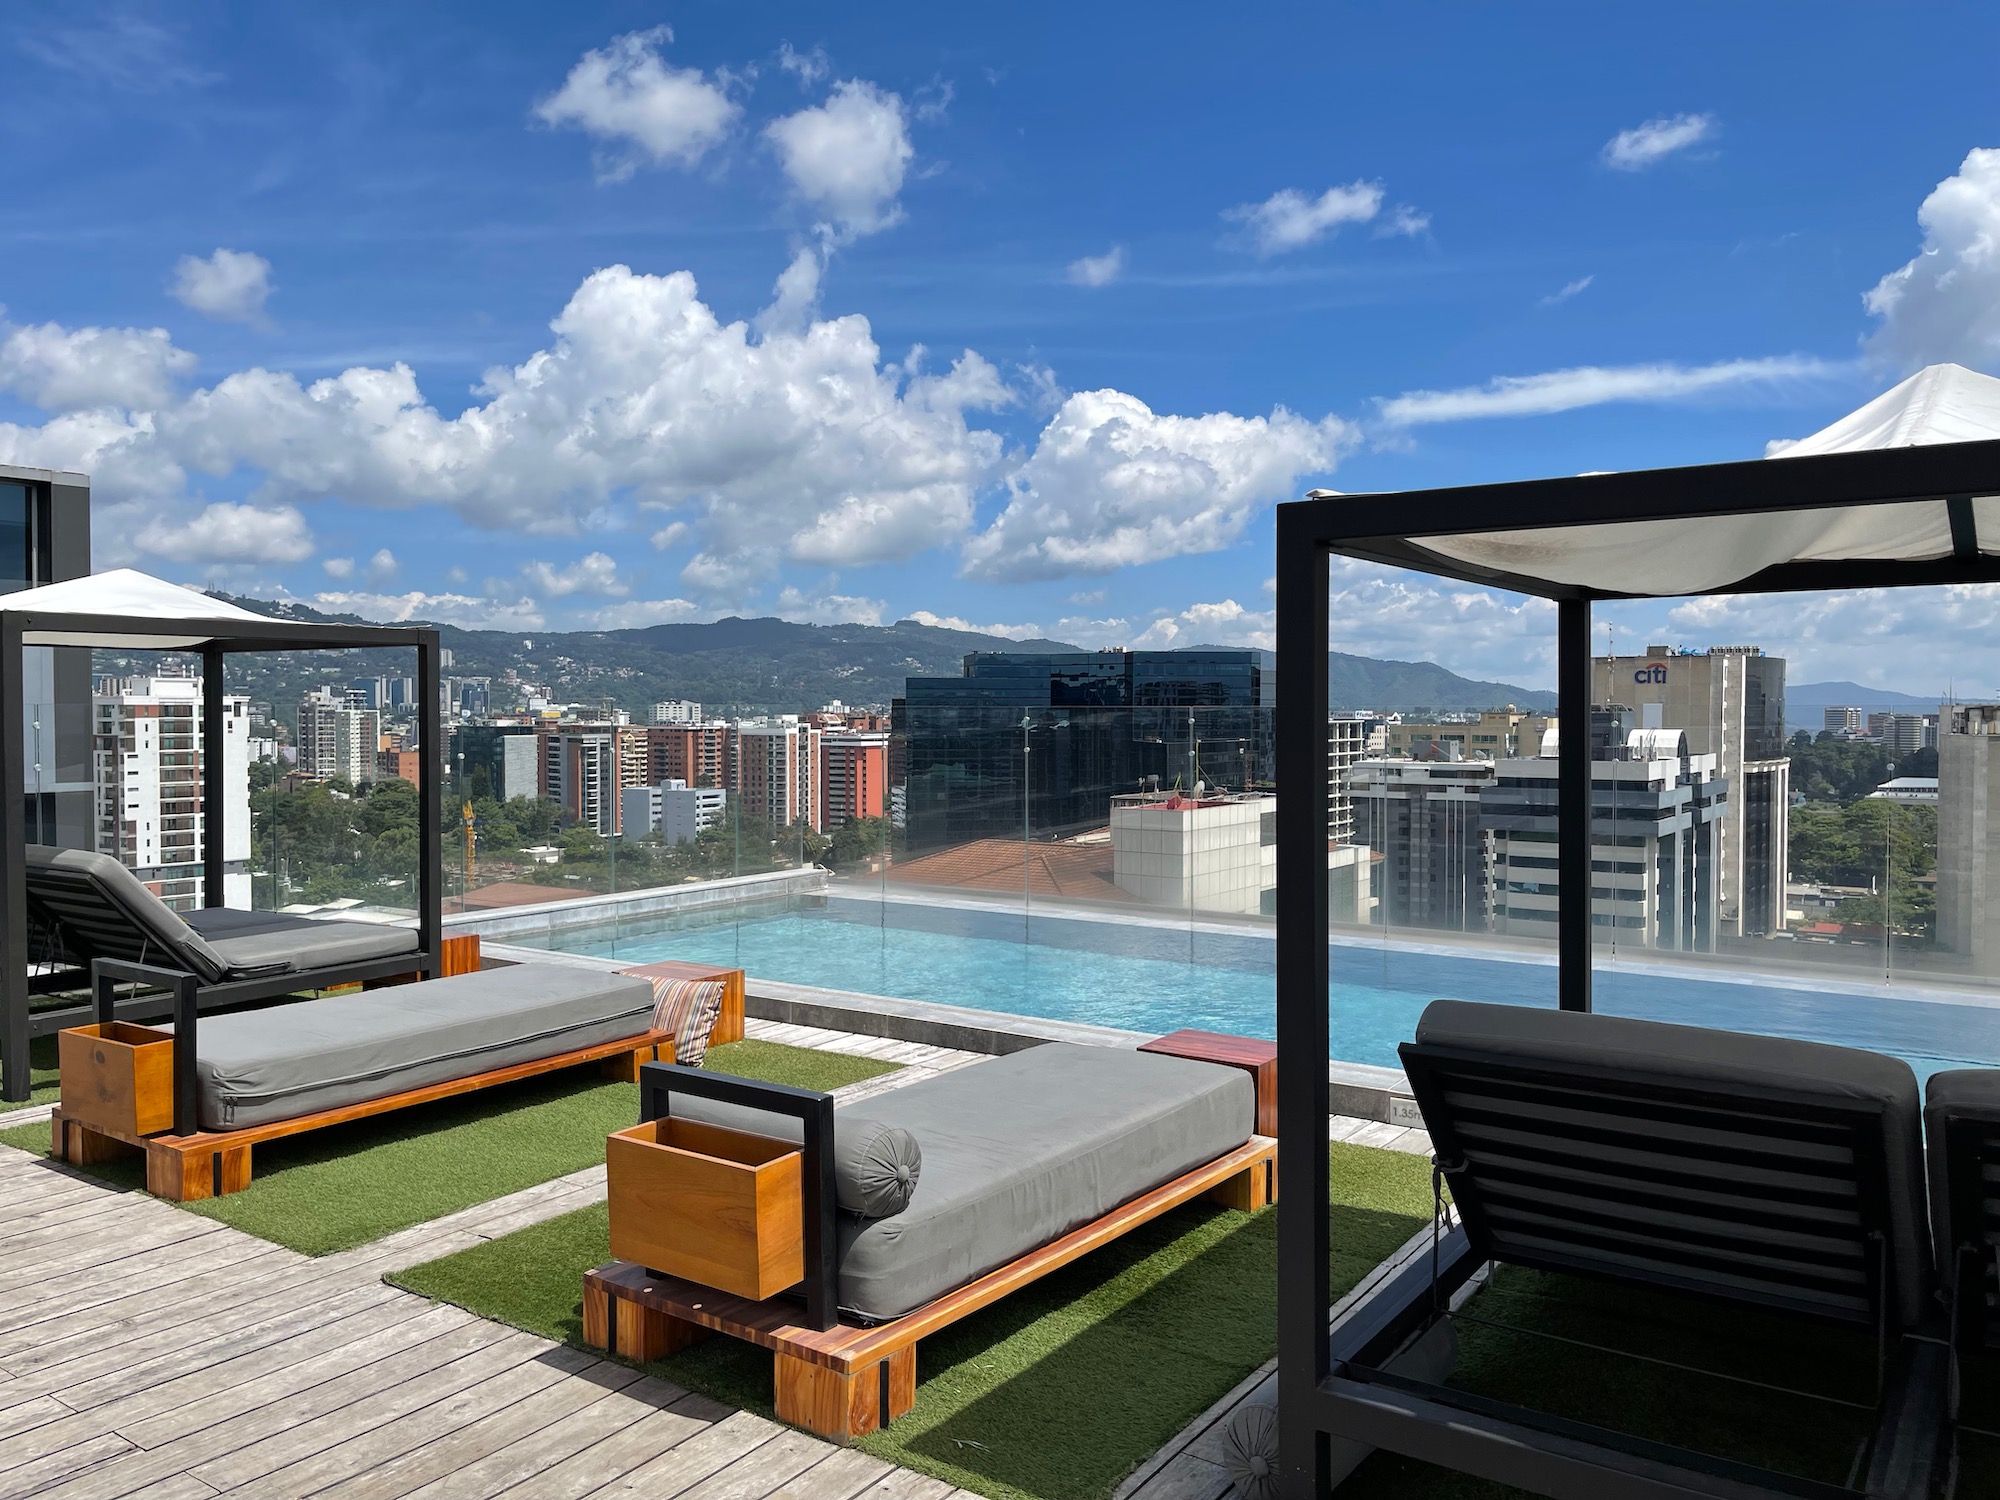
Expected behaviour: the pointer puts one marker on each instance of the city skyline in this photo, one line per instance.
(328, 369)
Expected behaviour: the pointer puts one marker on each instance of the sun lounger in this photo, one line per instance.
(1962, 1126)
(100, 909)
(1781, 1175)
(901, 1213)
(248, 1076)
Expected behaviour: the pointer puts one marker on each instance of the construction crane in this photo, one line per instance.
(469, 843)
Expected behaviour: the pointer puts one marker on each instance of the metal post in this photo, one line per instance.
(14, 1070)
(1573, 694)
(1303, 1286)
(214, 800)
(187, 1006)
(430, 806)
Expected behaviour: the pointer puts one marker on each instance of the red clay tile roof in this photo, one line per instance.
(1078, 872)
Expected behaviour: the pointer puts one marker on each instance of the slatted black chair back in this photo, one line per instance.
(103, 911)
(1965, 1172)
(1758, 1197)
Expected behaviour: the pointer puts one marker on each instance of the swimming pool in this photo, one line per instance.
(1157, 977)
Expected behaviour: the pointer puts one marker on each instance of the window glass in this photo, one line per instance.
(14, 571)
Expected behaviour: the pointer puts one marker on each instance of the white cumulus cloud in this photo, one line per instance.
(230, 286)
(1223, 623)
(1568, 290)
(73, 369)
(338, 567)
(1645, 145)
(959, 622)
(1596, 385)
(829, 609)
(1098, 270)
(465, 610)
(596, 573)
(1945, 304)
(847, 158)
(640, 106)
(1112, 483)
(226, 534)
(637, 614)
(1290, 220)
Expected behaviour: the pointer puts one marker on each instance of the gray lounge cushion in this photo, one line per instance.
(1726, 1062)
(250, 940)
(1972, 1092)
(253, 1067)
(1023, 1149)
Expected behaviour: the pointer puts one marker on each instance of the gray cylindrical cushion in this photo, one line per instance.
(875, 1166)
(1250, 1451)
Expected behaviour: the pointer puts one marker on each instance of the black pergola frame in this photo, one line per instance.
(1309, 533)
(214, 640)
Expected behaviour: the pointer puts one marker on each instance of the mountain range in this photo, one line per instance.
(739, 665)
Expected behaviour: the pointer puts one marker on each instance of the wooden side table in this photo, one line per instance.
(729, 1020)
(1257, 1058)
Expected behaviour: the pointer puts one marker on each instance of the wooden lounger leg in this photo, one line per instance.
(625, 1066)
(842, 1407)
(184, 1176)
(1255, 1187)
(81, 1146)
(632, 1330)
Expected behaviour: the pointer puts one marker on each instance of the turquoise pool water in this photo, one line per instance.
(1159, 978)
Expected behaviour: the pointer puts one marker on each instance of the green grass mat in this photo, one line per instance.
(1056, 1392)
(337, 1188)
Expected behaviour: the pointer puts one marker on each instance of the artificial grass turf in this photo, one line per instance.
(1056, 1392)
(336, 1188)
(43, 1073)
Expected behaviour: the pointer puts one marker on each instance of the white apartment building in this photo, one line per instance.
(147, 763)
(777, 770)
(338, 735)
(674, 810)
(1346, 744)
(1202, 853)
(677, 711)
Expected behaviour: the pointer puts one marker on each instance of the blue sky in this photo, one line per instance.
(626, 313)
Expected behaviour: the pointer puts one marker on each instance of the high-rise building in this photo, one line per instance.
(1216, 854)
(1968, 863)
(1493, 734)
(777, 770)
(674, 810)
(1845, 721)
(338, 735)
(854, 775)
(580, 771)
(45, 538)
(1908, 732)
(1730, 703)
(677, 711)
(1424, 821)
(148, 763)
(1880, 724)
(1041, 742)
(1656, 813)
(1346, 743)
(695, 753)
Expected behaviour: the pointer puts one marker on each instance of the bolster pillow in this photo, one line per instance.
(875, 1166)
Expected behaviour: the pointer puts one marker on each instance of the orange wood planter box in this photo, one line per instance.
(711, 1205)
(118, 1078)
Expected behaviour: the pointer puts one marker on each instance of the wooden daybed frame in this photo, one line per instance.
(836, 1379)
(127, 1077)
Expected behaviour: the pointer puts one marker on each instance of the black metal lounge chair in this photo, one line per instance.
(1962, 1125)
(100, 910)
(1782, 1175)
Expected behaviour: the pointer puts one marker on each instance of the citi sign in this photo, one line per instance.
(1650, 674)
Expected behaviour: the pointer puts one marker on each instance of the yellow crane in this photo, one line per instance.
(469, 842)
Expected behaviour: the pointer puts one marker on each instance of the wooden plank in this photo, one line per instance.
(492, 1430)
(690, 1462)
(847, 1347)
(841, 1475)
(105, 1247)
(270, 1420)
(582, 1452)
(218, 1257)
(330, 1429)
(756, 1474)
(371, 1451)
(47, 1468)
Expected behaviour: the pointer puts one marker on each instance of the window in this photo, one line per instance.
(17, 536)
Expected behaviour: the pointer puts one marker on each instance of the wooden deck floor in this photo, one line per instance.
(148, 1352)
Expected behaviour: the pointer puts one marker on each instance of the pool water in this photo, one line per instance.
(1158, 978)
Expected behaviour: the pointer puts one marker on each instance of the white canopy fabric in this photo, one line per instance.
(1941, 404)
(179, 613)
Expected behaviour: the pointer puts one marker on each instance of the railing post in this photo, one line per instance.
(1573, 694)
